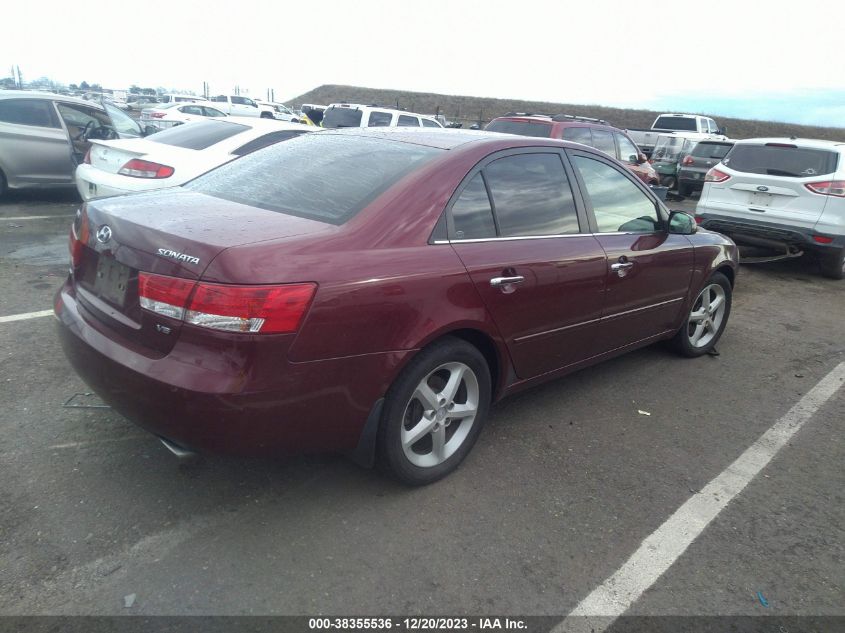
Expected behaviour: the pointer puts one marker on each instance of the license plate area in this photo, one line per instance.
(761, 199)
(111, 281)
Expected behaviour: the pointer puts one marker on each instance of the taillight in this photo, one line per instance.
(157, 115)
(714, 175)
(828, 188)
(87, 159)
(699, 219)
(822, 239)
(249, 309)
(78, 237)
(138, 168)
(688, 160)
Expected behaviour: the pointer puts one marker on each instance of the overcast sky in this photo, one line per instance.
(753, 59)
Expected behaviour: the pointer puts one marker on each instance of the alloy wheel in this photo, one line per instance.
(706, 315)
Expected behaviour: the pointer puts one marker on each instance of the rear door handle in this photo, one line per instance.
(621, 266)
(503, 281)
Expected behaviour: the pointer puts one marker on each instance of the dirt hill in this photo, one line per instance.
(470, 110)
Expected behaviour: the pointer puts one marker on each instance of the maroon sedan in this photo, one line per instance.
(372, 292)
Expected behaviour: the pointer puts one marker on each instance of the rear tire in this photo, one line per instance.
(683, 190)
(434, 412)
(706, 319)
(833, 266)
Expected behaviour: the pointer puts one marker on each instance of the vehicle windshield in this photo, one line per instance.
(344, 174)
(785, 159)
(675, 123)
(523, 128)
(342, 117)
(711, 150)
(199, 135)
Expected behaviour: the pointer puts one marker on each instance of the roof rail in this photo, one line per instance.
(575, 117)
(527, 114)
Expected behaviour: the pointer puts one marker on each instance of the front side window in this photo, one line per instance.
(618, 204)
(472, 214)
(191, 110)
(380, 119)
(34, 112)
(430, 123)
(628, 152)
(603, 141)
(531, 195)
(408, 121)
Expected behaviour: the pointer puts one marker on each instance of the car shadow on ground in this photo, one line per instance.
(37, 196)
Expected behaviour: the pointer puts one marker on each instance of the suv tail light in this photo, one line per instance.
(78, 237)
(250, 309)
(714, 175)
(828, 188)
(138, 168)
(688, 160)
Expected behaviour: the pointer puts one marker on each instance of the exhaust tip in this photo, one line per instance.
(180, 452)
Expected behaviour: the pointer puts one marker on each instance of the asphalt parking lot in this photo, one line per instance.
(564, 485)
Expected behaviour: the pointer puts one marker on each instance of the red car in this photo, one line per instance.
(578, 129)
(372, 292)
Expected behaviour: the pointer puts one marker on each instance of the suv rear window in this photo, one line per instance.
(198, 135)
(781, 160)
(712, 150)
(345, 174)
(342, 117)
(523, 128)
(675, 123)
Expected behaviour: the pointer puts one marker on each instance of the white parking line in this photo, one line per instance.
(35, 217)
(25, 315)
(665, 545)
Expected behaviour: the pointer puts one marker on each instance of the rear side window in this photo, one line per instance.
(266, 141)
(781, 160)
(523, 128)
(380, 119)
(408, 121)
(344, 174)
(342, 117)
(472, 214)
(531, 195)
(37, 112)
(711, 150)
(578, 135)
(198, 135)
(603, 141)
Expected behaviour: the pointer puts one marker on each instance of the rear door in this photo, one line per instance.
(33, 146)
(648, 270)
(767, 183)
(520, 230)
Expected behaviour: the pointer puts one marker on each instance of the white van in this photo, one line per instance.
(357, 115)
(175, 98)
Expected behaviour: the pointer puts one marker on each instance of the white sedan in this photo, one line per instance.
(175, 156)
(168, 115)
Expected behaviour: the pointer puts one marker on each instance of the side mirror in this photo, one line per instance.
(639, 159)
(682, 223)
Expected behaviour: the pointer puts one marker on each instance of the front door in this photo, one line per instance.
(515, 225)
(648, 269)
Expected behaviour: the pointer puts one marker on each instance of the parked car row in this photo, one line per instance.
(692, 126)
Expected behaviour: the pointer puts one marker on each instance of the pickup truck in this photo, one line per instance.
(236, 105)
(690, 125)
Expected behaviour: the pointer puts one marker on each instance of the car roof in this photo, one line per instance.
(801, 142)
(562, 119)
(32, 94)
(374, 106)
(440, 138)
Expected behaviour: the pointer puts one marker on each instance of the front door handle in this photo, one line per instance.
(503, 281)
(621, 268)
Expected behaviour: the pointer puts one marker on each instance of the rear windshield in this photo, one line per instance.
(199, 135)
(711, 150)
(523, 128)
(342, 117)
(778, 160)
(675, 123)
(322, 176)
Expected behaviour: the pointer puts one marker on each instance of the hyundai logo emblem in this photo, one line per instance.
(104, 234)
(762, 188)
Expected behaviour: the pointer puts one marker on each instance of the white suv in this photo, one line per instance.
(356, 115)
(781, 192)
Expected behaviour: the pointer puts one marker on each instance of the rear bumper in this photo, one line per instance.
(92, 183)
(691, 179)
(319, 406)
(791, 235)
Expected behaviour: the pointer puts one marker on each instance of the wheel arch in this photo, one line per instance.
(728, 271)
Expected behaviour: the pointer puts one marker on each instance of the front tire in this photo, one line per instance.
(434, 412)
(706, 319)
